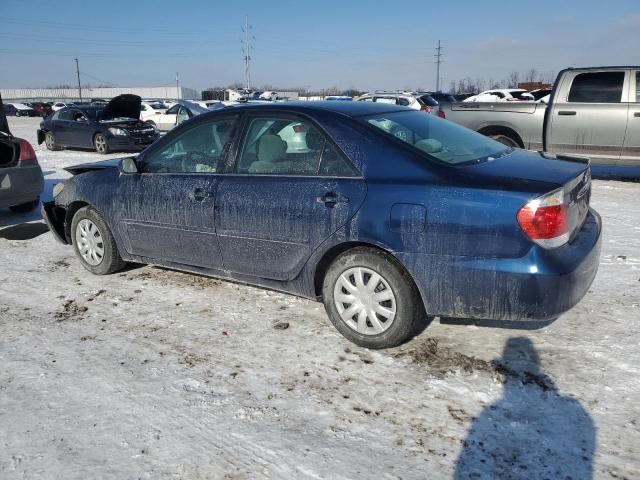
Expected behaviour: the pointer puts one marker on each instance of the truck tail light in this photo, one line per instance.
(545, 220)
(27, 154)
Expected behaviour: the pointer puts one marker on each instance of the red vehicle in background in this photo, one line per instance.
(42, 109)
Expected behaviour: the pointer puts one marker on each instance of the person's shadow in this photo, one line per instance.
(532, 432)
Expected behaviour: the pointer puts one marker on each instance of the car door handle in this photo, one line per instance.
(566, 112)
(637, 114)
(331, 199)
(199, 194)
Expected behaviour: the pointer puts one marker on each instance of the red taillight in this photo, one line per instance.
(441, 114)
(544, 220)
(299, 128)
(27, 155)
(425, 108)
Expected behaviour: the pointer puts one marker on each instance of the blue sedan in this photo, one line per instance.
(385, 214)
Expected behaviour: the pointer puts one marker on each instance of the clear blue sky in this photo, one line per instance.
(310, 44)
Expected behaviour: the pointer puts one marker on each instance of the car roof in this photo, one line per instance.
(351, 109)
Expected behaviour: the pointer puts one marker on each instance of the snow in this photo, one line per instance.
(151, 373)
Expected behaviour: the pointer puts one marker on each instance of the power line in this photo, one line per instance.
(438, 61)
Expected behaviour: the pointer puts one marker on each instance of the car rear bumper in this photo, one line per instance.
(539, 286)
(54, 218)
(20, 185)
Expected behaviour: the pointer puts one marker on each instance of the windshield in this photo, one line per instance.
(441, 139)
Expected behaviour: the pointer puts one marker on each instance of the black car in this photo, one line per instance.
(112, 127)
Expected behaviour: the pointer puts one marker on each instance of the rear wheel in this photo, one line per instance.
(371, 299)
(100, 144)
(93, 243)
(505, 140)
(25, 207)
(50, 141)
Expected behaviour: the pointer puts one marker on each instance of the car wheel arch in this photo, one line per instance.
(336, 250)
(72, 209)
(492, 130)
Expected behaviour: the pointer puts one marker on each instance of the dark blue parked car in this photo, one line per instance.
(105, 128)
(385, 214)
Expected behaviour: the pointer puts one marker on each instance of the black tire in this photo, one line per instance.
(50, 141)
(410, 316)
(111, 260)
(26, 207)
(100, 144)
(506, 140)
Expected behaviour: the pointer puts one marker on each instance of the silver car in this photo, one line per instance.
(21, 180)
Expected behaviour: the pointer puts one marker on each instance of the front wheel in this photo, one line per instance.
(100, 144)
(93, 243)
(50, 141)
(372, 300)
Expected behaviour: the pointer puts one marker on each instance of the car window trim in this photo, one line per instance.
(230, 168)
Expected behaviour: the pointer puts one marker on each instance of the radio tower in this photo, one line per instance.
(246, 50)
(438, 61)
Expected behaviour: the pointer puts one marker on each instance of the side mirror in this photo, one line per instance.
(129, 166)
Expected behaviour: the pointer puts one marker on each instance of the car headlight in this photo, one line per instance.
(118, 132)
(57, 189)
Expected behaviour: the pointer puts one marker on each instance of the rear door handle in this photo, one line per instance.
(566, 112)
(199, 194)
(637, 114)
(331, 199)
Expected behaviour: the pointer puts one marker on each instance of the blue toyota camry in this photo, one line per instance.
(385, 214)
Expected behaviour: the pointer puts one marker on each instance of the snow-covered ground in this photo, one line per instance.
(156, 374)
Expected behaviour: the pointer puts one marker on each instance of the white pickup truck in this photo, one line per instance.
(592, 112)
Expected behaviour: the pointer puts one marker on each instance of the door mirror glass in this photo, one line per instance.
(129, 166)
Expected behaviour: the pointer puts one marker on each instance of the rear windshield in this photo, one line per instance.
(440, 139)
(519, 95)
(428, 100)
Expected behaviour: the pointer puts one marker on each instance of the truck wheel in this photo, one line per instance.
(93, 243)
(25, 207)
(100, 144)
(505, 140)
(372, 300)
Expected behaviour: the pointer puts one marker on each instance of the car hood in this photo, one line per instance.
(87, 167)
(4, 126)
(122, 106)
(531, 171)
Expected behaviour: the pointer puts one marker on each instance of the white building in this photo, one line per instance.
(106, 93)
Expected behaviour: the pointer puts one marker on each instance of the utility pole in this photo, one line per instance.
(79, 85)
(438, 61)
(178, 85)
(246, 50)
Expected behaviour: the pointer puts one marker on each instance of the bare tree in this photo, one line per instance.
(513, 79)
(531, 75)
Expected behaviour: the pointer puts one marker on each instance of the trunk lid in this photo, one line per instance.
(122, 106)
(4, 126)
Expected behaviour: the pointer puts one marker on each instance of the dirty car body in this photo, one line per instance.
(118, 123)
(454, 211)
(21, 179)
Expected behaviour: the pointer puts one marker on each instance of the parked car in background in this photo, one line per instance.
(149, 111)
(42, 109)
(385, 228)
(113, 127)
(441, 97)
(592, 113)
(416, 101)
(21, 179)
(20, 110)
(58, 105)
(176, 114)
(540, 93)
(501, 95)
(340, 98)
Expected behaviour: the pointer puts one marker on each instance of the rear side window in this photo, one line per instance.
(64, 114)
(597, 87)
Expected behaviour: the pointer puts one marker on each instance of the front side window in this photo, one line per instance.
(597, 87)
(440, 139)
(197, 150)
(288, 146)
(638, 87)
